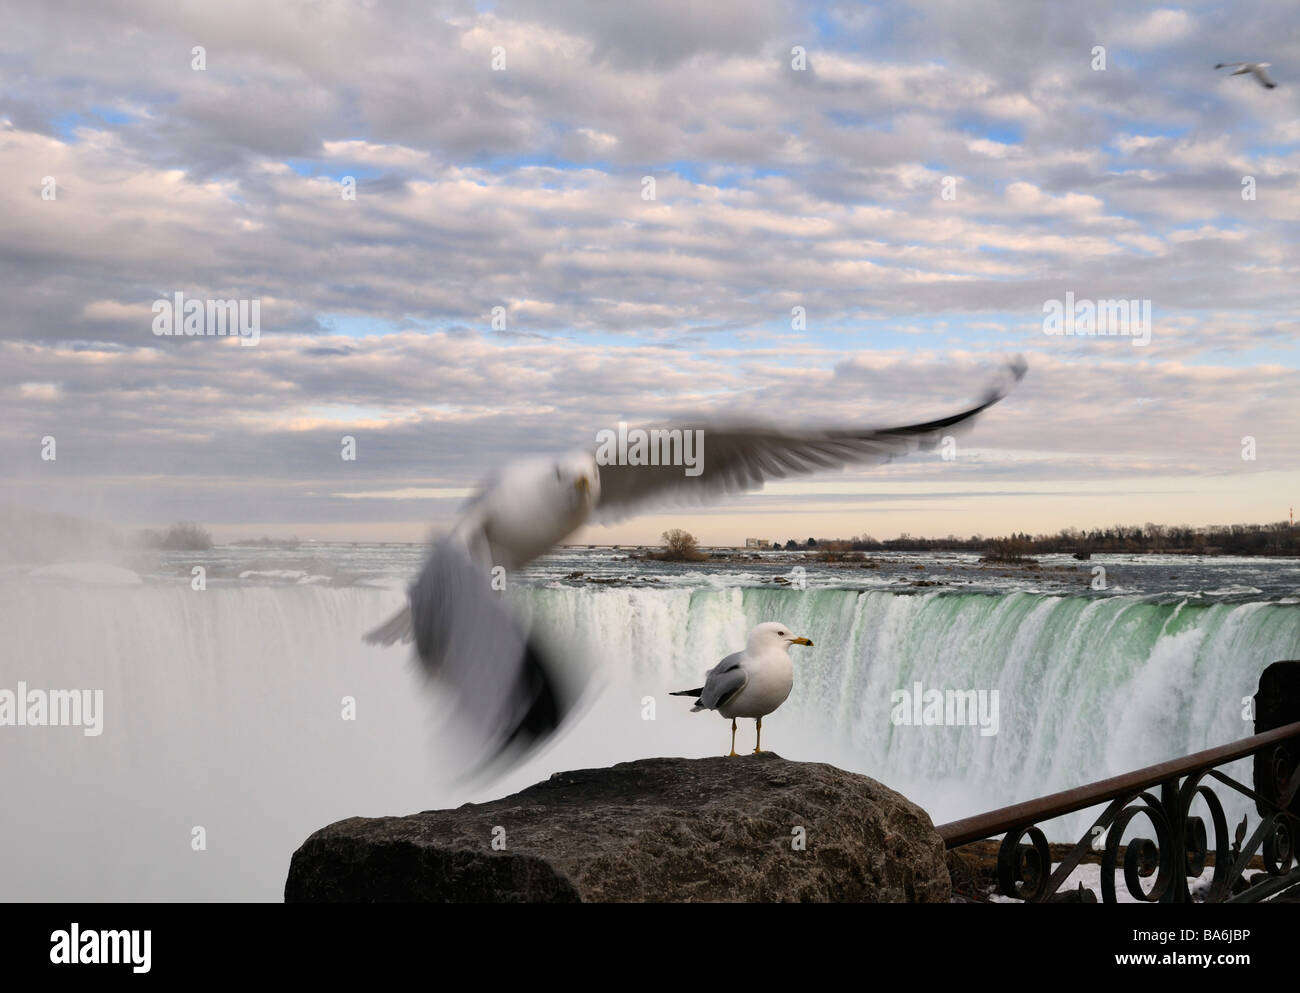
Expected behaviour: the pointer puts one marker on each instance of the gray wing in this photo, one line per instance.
(739, 458)
(722, 682)
(468, 640)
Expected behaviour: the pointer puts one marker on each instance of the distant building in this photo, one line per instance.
(757, 543)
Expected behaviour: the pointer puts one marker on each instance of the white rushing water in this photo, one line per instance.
(223, 709)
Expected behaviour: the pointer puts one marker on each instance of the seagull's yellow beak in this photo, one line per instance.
(802, 641)
(582, 484)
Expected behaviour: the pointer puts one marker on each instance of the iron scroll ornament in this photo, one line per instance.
(1179, 849)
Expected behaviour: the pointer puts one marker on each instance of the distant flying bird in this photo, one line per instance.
(1256, 69)
(752, 683)
(466, 638)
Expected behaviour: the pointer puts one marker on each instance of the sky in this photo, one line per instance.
(481, 230)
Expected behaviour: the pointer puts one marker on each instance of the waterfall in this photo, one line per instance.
(224, 709)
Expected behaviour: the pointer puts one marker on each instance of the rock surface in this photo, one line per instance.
(716, 829)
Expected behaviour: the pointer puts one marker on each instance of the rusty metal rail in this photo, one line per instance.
(1068, 801)
(1180, 849)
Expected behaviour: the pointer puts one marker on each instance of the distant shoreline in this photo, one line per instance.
(715, 552)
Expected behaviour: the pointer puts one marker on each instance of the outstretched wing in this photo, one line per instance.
(739, 458)
(1264, 79)
(722, 682)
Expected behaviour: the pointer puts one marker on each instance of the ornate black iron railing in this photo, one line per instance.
(1180, 849)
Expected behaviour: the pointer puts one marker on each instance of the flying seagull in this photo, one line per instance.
(511, 695)
(1256, 69)
(752, 683)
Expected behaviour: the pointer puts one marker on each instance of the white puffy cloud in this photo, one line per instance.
(523, 189)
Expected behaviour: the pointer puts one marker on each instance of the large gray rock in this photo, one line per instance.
(656, 829)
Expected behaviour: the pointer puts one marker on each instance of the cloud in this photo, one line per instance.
(1165, 26)
(523, 189)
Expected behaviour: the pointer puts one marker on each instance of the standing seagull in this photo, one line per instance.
(1256, 69)
(507, 690)
(752, 683)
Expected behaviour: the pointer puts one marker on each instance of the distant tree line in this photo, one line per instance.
(183, 536)
(1224, 539)
(187, 536)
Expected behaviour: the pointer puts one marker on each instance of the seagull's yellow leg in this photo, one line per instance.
(758, 735)
(733, 737)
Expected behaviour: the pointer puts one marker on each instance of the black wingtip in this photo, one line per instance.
(545, 712)
(547, 707)
(1013, 371)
